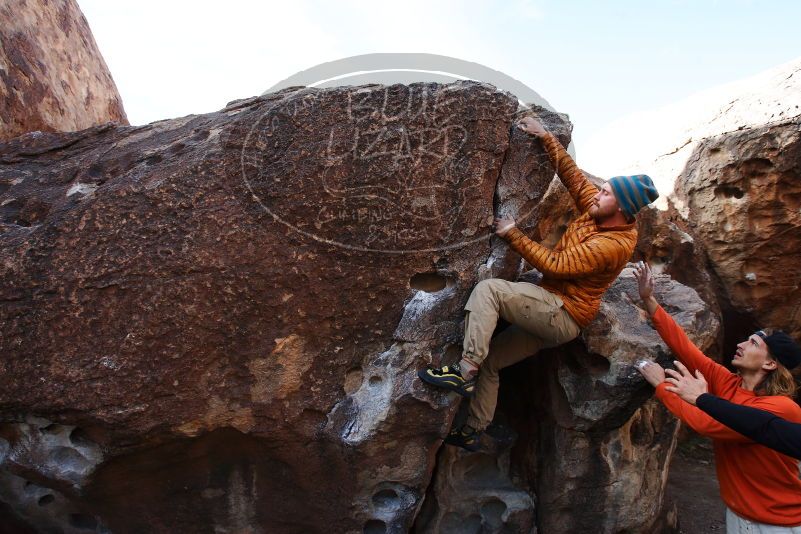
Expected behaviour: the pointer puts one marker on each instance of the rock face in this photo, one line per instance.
(741, 197)
(601, 449)
(232, 307)
(52, 76)
(214, 323)
(666, 244)
(592, 446)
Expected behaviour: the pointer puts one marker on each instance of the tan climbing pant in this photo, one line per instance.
(538, 321)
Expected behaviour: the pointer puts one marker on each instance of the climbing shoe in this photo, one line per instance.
(465, 437)
(448, 377)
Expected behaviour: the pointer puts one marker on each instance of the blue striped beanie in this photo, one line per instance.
(633, 192)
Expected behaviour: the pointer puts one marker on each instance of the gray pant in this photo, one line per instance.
(539, 321)
(739, 525)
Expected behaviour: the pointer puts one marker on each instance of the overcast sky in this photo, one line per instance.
(596, 61)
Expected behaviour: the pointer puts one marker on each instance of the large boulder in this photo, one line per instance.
(214, 323)
(52, 76)
(740, 195)
(598, 408)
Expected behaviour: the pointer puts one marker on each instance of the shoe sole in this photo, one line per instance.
(471, 448)
(441, 383)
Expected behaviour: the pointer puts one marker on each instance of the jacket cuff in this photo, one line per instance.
(659, 315)
(704, 399)
(512, 234)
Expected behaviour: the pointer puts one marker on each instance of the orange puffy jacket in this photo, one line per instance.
(587, 258)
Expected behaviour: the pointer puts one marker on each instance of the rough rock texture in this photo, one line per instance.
(214, 323)
(665, 243)
(232, 307)
(669, 248)
(591, 444)
(52, 76)
(595, 403)
(477, 493)
(740, 196)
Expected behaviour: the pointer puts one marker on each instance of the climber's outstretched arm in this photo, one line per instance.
(582, 191)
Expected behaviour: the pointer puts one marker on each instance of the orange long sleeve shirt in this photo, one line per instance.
(587, 259)
(756, 482)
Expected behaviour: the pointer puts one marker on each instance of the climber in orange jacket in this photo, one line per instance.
(589, 256)
(760, 486)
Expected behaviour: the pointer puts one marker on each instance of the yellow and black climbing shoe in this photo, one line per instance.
(448, 377)
(465, 437)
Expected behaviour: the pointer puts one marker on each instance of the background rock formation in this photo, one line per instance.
(740, 195)
(52, 76)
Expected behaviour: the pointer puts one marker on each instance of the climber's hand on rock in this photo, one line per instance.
(652, 372)
(532, 126)
(685, 385)
(502, 225)
(645, 280)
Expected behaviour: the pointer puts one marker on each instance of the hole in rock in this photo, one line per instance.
(168, 479)
(79, 438)
(492, 512)
(9, 212)
(155, 159)
(353, 379)
(177, 148)
(375, 526)
(201, 135)
(756, 166)
(83, 521)
(729, 191)
(95, 171)
(46, 499)
(52, 428)
(428, 282)
(641, 431)
(375, 380)
(386, 499)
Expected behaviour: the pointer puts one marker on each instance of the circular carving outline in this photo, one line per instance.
(377, 63)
